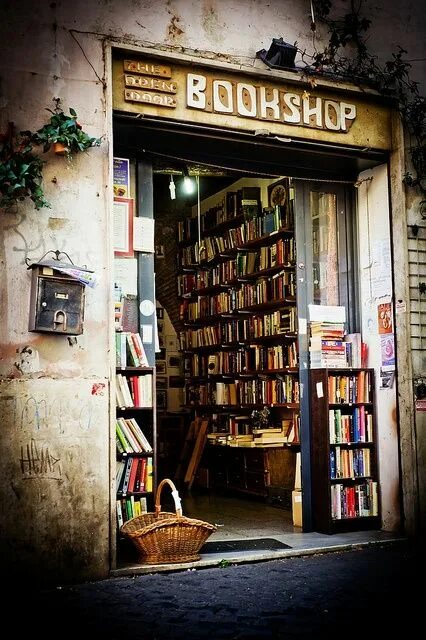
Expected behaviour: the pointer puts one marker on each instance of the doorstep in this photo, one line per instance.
(300, 544)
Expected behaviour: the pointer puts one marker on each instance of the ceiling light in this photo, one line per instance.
(188, 184)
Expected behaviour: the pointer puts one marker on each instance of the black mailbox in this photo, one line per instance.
(56, 303)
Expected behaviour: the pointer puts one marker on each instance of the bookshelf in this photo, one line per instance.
(135, 429)
(237, 290)
(345, 487)
(266, 472)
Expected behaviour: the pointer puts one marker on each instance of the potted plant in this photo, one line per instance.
(260, 418)
(64, 132)
(20, 171)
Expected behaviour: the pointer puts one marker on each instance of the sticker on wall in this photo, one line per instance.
(386, 379)
(147, 307)
(121, 177)
(400, 306)
(146, 330)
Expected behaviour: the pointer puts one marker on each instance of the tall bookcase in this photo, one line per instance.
(135, 440)
(237, 286)
(345, 486)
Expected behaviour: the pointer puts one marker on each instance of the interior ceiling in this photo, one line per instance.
(223, 156)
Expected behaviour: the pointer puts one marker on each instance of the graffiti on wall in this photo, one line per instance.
(37, 461)
(35, 414)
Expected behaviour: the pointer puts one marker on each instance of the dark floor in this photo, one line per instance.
(240, 517)
(370, 592)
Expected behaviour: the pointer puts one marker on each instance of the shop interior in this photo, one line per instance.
(213, 167)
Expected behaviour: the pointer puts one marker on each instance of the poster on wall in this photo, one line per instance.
(384, 318)
(123, 227)
(125, 275)
(380, 269)
(387, 350)
(121, 177)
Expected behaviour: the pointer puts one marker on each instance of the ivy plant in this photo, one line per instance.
(64, 129)
(20, 171)
(392, 79)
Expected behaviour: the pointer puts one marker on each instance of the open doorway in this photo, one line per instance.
(227, 365)
(233, 267)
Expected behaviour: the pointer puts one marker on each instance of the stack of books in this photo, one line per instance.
(327, 346)
(271, 437)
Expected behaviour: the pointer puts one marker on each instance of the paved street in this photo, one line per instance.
(351, 594)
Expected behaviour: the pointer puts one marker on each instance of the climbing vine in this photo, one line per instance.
(346, 56)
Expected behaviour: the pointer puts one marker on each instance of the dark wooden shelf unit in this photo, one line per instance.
(322, 450)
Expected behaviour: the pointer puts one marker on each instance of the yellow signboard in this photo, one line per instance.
(213, 97)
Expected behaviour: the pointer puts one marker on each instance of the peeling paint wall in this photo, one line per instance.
(55, 49)
(53, 497)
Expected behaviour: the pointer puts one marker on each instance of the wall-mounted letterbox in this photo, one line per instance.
(56, 303)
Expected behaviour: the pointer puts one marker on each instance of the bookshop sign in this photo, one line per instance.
(209, 96)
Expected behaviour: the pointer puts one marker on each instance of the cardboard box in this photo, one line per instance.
(202, 478)
(298, 473)
(296, 503)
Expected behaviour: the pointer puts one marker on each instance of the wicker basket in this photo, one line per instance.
(162, 537)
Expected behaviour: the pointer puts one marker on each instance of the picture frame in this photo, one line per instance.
(123, 227)
(161, 399)
(278, 192)
(174, 363)
(176, 382)
(160, 367)
(159, 251)
(161, 383)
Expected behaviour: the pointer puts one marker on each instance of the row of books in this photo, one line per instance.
(133, 391)
(225, 331)
(273, 289)
(279, 390)
(357, 501)
(281, 253)
(349, 389)
(288, 433)
(231, 240)
(356, 426)
(349, 463)
(129, 507)
(129, 350)
(134, 475)
(244, 360)
(130, 438)
(234, 204)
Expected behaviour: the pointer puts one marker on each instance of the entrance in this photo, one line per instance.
(222, 356)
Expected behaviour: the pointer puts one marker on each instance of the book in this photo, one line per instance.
(140, 350)
(129, 435)
(133, 470)
(139, 435)
(120, 520)
(126, 475)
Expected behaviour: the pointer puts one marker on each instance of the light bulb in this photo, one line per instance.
(188, 185)
(172, 188)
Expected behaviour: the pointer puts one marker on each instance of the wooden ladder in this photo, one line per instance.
(200, 437)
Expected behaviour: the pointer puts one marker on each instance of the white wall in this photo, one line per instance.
(376, 288)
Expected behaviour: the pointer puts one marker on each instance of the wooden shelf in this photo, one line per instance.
(321, 447)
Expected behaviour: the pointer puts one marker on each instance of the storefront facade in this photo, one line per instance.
(57, 395)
